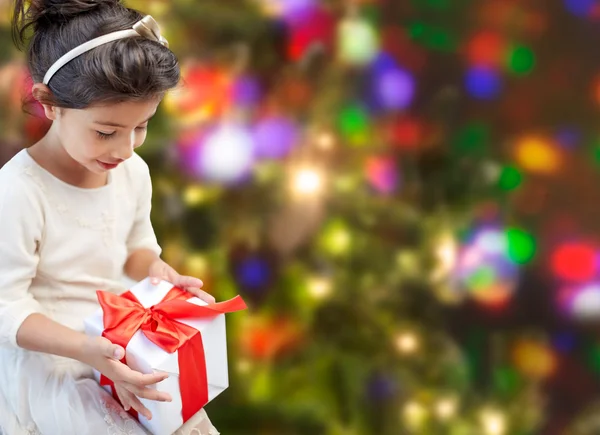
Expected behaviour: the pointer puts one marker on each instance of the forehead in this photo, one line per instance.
(126, 113)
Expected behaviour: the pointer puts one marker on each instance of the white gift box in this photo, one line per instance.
(144, 356)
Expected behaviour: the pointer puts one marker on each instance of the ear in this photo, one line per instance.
(43, 94)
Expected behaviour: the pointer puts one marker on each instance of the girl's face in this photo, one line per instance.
(99, 138)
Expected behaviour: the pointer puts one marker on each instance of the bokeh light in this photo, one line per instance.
(382, 174)
(483, 83)
(274, 137)
(537, 154)
(510, 178)
(574, 261)
(227, 155)
(521, 60)
(358, 41)
(486, 48)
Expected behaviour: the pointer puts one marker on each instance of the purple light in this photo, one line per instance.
(483, 83)
(296, 10)
(580, 8)
(246, 92)
(392, 86)
(382, 174)
(568, 137)
(395, 89)
(274, 138)
(254, 273)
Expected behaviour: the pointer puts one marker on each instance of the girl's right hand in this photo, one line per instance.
(104, 356)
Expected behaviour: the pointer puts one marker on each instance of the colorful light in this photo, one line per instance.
(568, 137)
(274, 137)
(253, 273)
(336, 238)
(414, 414)
(307, 182)
(534, 359)
(521, 60)
(581, 302)
(486, 48)
(580, 8)
(227, 154)
(493, 422)
(354, 124)
(406, 133)
(320, 287)
(473, 138)
(407, 343)
(315, 31)
(446, 252)
(358, 42)
(521, 246)
(246, 92)
(446, 408)
(574, 261)
(382, 174)
(393, 86)
(510, 178)
(538, 155)
(483, 83)
(485, 269)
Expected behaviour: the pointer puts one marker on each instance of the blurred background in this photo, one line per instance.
(405, 193)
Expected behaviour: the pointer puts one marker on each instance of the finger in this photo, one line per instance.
(140, 379)
(140, 408)
(124, 397)
(188, 282)
(206, 297)
(147, 393)
(131, 401)
(111, 350)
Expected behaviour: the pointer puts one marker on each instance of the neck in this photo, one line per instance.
(51, 155)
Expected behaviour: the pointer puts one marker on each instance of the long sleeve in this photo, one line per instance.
(142, 234)
(21, 231)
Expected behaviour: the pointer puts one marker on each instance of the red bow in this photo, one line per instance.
(124, 315)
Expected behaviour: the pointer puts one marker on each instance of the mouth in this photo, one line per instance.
(107, 166)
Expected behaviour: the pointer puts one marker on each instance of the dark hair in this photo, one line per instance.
(122, 70)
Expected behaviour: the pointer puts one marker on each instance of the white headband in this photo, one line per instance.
(146, 27)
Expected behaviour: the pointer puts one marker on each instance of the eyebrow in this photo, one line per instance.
(114, 124)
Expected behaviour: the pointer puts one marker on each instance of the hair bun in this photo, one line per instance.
(39, 13)
(64, 10)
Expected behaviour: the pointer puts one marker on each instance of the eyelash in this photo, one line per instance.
(105, 136)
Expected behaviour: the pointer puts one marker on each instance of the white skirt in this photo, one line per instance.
(43, 394)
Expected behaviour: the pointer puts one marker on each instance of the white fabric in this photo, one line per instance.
(58, 245)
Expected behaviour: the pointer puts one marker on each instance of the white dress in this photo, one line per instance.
(58, 245)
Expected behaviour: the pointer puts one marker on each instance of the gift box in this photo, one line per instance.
(166, 329)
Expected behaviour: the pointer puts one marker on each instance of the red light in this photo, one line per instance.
(574, 262)
(407, 134)
(486, 48)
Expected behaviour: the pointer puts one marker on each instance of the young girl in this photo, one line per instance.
(75, 218)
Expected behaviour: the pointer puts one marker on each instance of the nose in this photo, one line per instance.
(125, 148)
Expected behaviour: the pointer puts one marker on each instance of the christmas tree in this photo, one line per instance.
(384, 183)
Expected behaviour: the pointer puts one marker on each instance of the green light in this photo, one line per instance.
(521, 60)
(416, 30)
(482, 278)
(438, 4)
(440, 40)
(510, 178)
(354, 123)
(521, 246)
(474, 137)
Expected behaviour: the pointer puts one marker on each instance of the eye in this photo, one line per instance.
(143, 128)
(102, 135)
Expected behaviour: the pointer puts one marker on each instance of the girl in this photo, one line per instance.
(75, 217)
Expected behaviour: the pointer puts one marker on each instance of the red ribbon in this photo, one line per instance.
(124, 315)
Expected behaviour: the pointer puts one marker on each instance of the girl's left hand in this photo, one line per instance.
(160, 270)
